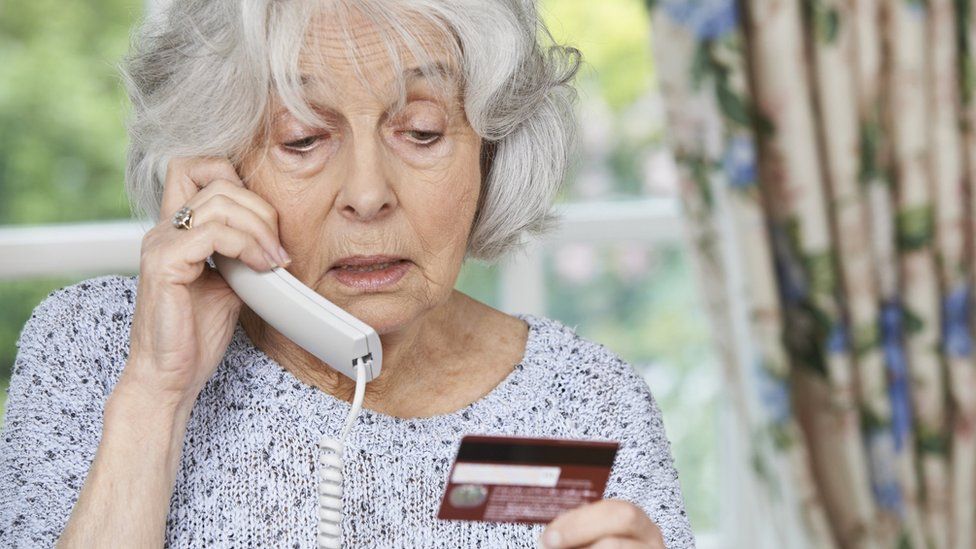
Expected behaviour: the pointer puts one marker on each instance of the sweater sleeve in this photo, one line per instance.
(643, 471)
(52, 419)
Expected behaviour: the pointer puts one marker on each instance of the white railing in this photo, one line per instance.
(69, 249)
(28, 251)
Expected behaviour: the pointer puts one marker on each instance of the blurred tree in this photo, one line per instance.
(62, 139)
(613, 36)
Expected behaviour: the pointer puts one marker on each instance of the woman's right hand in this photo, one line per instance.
(185, 313)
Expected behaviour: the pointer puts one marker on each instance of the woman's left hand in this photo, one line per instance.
(603, 524)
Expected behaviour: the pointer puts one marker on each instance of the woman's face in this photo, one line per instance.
(403, 184)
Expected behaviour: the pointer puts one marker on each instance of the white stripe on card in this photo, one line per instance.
(519, 475)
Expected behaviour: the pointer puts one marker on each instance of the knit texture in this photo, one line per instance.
(248, 472)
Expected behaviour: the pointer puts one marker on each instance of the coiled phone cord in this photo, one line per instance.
(330, 461)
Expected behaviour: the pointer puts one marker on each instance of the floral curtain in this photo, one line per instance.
(827, 154)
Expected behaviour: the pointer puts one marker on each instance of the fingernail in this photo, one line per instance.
(273, 263)
(283, 255)
(551, 539)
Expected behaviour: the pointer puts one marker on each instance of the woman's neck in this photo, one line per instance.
(423, 363)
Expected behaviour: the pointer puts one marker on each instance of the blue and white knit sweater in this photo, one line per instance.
(248, 472)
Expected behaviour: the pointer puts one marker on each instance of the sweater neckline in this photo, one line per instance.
(377, 432)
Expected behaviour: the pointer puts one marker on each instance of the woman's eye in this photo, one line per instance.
(303, 145)
(425, 139)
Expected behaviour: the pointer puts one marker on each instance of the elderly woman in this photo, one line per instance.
(369, 147)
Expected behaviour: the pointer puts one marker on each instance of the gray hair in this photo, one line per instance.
(201, 75)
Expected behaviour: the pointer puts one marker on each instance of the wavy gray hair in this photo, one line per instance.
(201, 75)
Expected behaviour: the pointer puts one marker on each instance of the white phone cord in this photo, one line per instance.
(330, 460)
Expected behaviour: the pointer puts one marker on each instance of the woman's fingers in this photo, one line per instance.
(179, 255)
(226, 209)
(243, 196)
(589, 523)
(211, 188)
(214, 236)
(185, 176)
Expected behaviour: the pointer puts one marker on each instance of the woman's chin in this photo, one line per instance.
(383, 312)
(381, 320)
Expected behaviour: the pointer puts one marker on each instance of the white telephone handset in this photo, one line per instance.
(331, 334)
(305, 317)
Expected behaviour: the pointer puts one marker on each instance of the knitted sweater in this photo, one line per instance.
(248, 472)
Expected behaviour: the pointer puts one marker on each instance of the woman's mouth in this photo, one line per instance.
(374, 276)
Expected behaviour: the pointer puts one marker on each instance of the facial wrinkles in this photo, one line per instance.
(433, 191)
(335, 82)
(405, 132)
(328, 55)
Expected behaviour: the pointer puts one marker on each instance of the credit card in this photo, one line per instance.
(522, 479)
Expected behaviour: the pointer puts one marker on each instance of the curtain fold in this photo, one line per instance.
(825, 151)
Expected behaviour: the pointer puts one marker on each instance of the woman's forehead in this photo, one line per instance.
(365, 53)
(329, 74)
(342, 42)
(347, 63)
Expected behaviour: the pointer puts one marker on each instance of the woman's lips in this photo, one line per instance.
(371, 279)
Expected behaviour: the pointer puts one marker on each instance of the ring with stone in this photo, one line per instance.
(183, 219)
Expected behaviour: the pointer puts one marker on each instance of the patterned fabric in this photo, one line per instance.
(248, 472)
(827, 149)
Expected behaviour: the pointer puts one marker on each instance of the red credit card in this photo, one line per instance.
(521, 479)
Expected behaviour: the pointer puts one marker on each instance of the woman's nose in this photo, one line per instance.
(367, 192)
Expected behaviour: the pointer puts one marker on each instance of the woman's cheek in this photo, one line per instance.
(451, 198)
